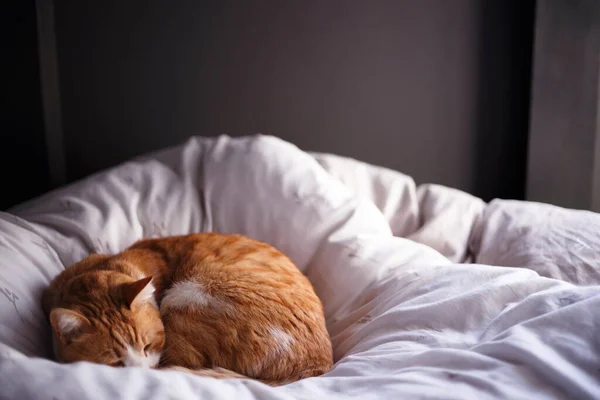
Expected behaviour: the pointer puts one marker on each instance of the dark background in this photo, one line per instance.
(23, 159)
(437, 89)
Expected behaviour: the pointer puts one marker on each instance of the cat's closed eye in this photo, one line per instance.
(117, 364)
(146, 348)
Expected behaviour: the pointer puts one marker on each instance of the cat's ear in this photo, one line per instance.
(138, 292)
(68, 324)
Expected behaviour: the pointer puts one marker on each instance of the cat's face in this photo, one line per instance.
(121, 328)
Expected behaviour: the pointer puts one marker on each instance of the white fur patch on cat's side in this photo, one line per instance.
(282, 341)
(136, 359)
(190, 294)
(278, 343)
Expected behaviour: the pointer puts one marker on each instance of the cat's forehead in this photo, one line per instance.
(98, 293)
(133, 319)
(100, 310)
(92, 304)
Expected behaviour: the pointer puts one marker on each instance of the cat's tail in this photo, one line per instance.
(222, 373)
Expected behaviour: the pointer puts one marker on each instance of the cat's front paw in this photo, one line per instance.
(176, 368)
(217, 372)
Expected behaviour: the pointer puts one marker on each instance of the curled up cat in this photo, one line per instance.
(224, 306)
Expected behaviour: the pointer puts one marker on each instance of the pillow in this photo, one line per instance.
(27, 264)
(434, 215)
(553, 241)
(447, 217)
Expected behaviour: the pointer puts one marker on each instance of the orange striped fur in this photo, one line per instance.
(215, 305)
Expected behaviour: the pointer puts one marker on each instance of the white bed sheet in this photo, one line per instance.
(406, 321)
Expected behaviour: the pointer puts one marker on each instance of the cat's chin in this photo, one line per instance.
(135, 359)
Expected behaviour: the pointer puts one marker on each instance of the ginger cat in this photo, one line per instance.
(215, 305)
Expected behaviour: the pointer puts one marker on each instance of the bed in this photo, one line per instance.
(429, 293)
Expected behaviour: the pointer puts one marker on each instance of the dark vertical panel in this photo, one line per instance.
(506, 46)
(23, 162)
(564, 110)
(51, 92)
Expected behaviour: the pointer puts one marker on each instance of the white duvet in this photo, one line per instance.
(412, 310)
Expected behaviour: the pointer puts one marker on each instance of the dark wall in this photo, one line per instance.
(23, 162)
(437, 89)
